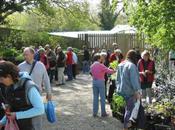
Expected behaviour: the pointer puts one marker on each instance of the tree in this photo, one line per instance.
(35, 25)
(154, 18)
(108, 14)
(8, 7)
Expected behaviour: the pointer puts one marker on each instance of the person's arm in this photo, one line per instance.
(151, 71)
(140, 72)
(107, 70)
(37, 103)
(118, 78)
(46, 81)
(134, 77)
(3, 121)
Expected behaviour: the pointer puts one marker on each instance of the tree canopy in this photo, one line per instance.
(35, 24)
(108, 14)
(8, 7)
(154, 18)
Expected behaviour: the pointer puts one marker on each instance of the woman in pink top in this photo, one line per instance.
(98, 70)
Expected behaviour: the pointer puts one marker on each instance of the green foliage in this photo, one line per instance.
(9, 52)
(156, 19)
(8, 7)
(20, 57)
(76, 50)
(107, 16)
(114, 64)
(32, 27)
(118, 103)
(165, 109)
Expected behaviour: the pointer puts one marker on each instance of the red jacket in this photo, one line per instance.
(44, 60)
(69, 59)
(150, 67)
(112, 57)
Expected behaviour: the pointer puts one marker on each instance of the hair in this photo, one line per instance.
(41, 50)
(145, 52)
(117, 51)
(96, 57)
(59, 47)
(120, 56)
(30, 49)
(8, 68)
(114, 44)
(69, 49)
(132, 56)
(103, 54)
(47, 46)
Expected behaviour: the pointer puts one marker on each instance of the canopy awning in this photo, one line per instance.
(75, 34)
(116, 29)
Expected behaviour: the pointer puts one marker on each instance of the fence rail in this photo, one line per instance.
(124, 41)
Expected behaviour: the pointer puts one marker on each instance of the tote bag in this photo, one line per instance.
(50, 112)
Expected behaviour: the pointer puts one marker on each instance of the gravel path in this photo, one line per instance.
(74, 108)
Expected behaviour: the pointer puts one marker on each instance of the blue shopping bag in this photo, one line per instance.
(50, 112)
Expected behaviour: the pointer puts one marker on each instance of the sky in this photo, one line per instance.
(94, 4)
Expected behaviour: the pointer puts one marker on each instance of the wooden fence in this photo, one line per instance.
(124, 41)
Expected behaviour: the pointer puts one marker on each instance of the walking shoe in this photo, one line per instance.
(105, 115)
(95, 115)
(60, 84)
(69, 79)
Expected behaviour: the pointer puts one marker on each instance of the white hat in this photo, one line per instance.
(118, 51)
(103, 54)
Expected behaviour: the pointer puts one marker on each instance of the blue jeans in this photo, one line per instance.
(99, 89)
(69, 72)
(85, 66)
(128, 110)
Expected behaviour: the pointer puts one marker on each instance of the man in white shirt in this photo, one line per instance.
(38, 74)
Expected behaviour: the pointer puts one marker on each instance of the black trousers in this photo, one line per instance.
(56, 73)
(74, 70)
(112, 88)
(106, 80)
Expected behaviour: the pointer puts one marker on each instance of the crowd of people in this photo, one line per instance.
(131, 77)
(21, 86)
(56, 61)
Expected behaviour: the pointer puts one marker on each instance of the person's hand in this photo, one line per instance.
(49, 97)
(1, 125)
(11, 115)
(114, 71)
(143, 73)
(148, 72)
(137, 95)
